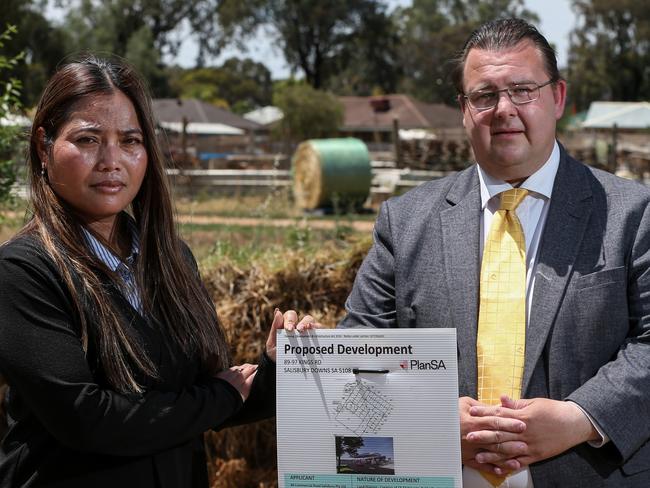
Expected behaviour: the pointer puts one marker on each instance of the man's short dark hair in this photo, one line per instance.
(502, 34)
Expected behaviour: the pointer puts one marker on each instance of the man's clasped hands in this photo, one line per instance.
(505, 438)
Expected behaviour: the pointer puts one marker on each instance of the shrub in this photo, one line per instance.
(246, 299)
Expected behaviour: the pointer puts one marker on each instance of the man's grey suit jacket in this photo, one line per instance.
(588, 338)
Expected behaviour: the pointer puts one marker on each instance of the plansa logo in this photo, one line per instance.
(433, 365)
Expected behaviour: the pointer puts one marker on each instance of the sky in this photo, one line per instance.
(556, 21)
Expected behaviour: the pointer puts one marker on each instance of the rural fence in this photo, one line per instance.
(385, 181)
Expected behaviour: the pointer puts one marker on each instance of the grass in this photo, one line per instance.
(7, 229)
(241, 244)
(212, 243)
(277, 205)
(273, 205)
(12, 215)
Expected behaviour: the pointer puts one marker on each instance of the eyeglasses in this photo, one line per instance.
(520, 94)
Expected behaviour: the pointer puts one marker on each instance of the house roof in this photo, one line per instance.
(626, 115)
(170, 110)
(202, 128)
(411, 113)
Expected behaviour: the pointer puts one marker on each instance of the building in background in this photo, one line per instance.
(630, 117)
(614, 136)
(201, 134)
(430, 135)
(372, 119)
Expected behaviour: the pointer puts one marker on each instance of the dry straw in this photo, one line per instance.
(308, 185)
(245, 456)
(331, 173)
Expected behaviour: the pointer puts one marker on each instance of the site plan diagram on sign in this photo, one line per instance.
(363, 408)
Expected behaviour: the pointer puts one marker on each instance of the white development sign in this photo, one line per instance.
(368, 408)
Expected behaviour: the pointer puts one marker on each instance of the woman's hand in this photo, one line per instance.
(288, 321)
(240, 377)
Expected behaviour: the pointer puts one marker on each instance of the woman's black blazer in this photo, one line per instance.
(67, 428)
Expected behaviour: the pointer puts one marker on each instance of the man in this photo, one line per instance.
(581, 409)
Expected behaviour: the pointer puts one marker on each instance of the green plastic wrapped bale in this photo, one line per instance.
(331, 173)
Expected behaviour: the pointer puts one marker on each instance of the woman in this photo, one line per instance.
(111, 347)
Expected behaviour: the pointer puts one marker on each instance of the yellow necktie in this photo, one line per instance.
(501, 340)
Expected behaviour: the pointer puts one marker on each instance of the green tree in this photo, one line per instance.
(349, 445)
(609, 52)
(308, 113)
(42, 44)
(238, 84)
(369, 63)
(9, 105)
(246, 84)
(110, 24)
(141, 53)
(201, 83)
(320, 39)
(142, 32)
(433, 31)
(478, 11)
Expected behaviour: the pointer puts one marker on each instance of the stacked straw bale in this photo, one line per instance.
(307, 175)
(331, 173)
(245, 456)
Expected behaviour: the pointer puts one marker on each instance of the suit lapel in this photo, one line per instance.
(460, 225)
(569, 212)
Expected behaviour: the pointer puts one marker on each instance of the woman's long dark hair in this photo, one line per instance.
(171, 289)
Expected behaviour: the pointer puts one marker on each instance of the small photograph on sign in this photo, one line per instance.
(364, 455)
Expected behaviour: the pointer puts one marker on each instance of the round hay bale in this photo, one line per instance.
(331, 173)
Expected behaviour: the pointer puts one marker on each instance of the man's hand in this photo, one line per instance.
(288, 321)
(552, 427)
(503, 442)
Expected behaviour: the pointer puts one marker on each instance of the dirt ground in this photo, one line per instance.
(358, 225)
